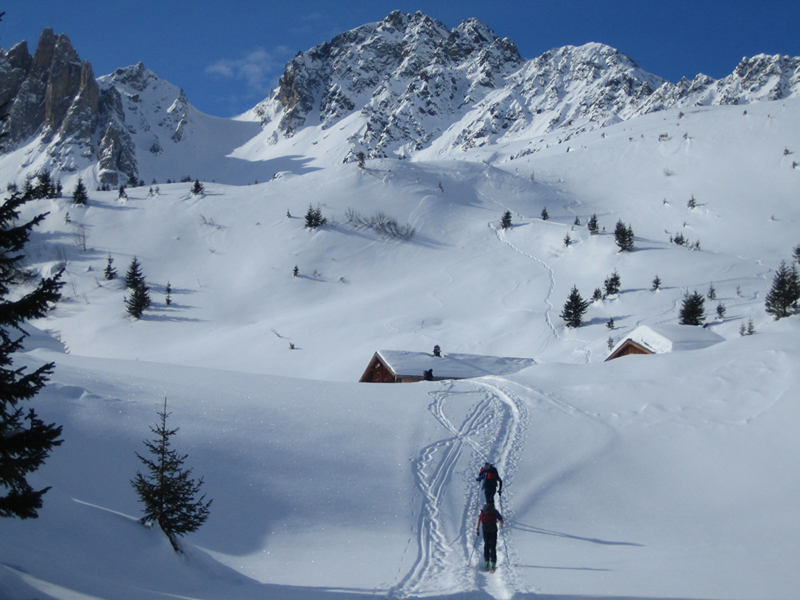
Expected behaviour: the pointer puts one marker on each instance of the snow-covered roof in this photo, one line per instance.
(666, 337)
(451, 365)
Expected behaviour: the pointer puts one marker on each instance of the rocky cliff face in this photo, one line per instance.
(399, 86)
(54, 97)
(409, 79)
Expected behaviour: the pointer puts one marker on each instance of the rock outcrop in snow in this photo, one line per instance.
(409, 79)
(395, 87)
(54, 100)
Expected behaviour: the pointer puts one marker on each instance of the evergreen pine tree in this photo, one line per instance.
(197, 188)
(545, 214)
(612, 283)
(782, 299)
(110, 272)
(711, 294)
(574, 308)
(361, 158)
(721, 310)
(656, 283)
(167, 490)
(506, 222)
(692, 203)
(592, 225)
(623, 236)
(567, 240)
(25, 440)
(610, 323)
(314, 217)
(692, 310)
(134, 277)
(138, 301)
(168, 292)
(79, 194)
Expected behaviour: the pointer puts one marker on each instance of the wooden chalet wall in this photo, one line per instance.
(629, 347)
(377, 372)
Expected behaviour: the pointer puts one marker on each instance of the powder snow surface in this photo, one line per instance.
(673, 475)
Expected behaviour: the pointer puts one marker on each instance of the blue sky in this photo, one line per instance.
(228, 55)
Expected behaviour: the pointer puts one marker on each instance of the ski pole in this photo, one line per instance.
(475, 545)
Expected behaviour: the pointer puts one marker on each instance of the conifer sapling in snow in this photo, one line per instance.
(592, 225)
(167, 490)
(505, 223)
(721, 310)
(692, 309)
(574, 308)
(782, 299)
(612, 283)
(25, 440)
(134, 277)
(545, 214)
(109, 272)
(656, 283)
(623, 237)
(79, 194)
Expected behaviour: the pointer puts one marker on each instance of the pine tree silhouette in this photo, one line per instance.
(168, 492)
(25, 440)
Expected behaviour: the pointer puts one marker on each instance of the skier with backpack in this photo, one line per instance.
(491, 480)
(490, 519)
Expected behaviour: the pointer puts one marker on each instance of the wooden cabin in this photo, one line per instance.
(661, 338)
(397, 366)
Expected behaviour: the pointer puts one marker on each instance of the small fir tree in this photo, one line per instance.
(197, 188)
(623, 237)
(79, 193)
(592, 225)
(692, 203)
(610, 323)
(597, 295)
(711, 294)
(545, 214)
(109, 272)
(782, 299)
(567, 240)
(25, 440)
(138, 301)
(168, 292)
(692, 309)
(314, 217)
(505, 223)
(612, 283)
(167, 490)
(134, 277)
(361, 158)
(574, 308)
(721, 310)
(656, 283)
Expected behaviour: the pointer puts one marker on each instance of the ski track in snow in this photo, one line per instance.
(449, 554)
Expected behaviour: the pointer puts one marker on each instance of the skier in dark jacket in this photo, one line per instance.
(491, 520)
(491, 481)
